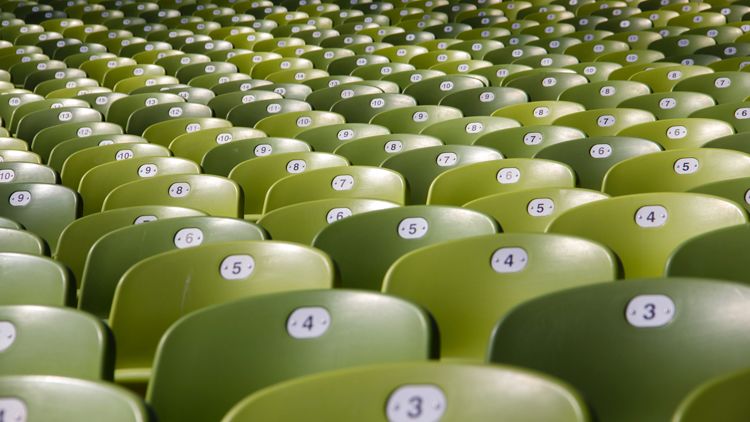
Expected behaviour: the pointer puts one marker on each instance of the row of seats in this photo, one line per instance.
(262, 209)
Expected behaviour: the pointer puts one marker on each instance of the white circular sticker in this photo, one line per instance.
(600, 151)
(667, 103)
(342, 182)
(649, 311)
(686, 166)
(508, 175)
(533, 138)
(474, 127)
(541, 207)
(308, 322)
(413, 228)
(263, 150)
(392, 147)
(377, 103)
(509, 260)
(606, 120)
(540, 112)
(607, 91)
(148, 170)
(7, 175)
(722, 82)
(65, 116)
(175, 112)
(20, 198)
(677, 132)
(188, 237)
(237, 267)
(296, 166)
(420, 116)
(145, 219)
(337, 214)
(447, 159)
(304, 121)
(742, 113)
(179, 190)
(124, 154)
(345, 135)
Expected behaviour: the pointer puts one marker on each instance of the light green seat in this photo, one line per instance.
(717, 254)
(195, 145)
(675, 170)
(100, 99)
(143, 308)
(686, 132)
(336, 182)
(532, 210)
(28, 107)
(663, 79)
(33, 123)
(214, 195)
(421, 166)
(256, 176)
(591, 158)
(119, 73)
(672, 104)
(466, 130)
(433, 90)
(480, 279)
(644, 229)
(737, 142)
(538, 112)
(328, 138)
(467, 183)
(165, 132)
(82, 343)
(14, 172)
(484, 100)
(102, 179)
(81, 234)
(605, 121)
(11, 101)
(301, 222)
(61, 398)
(391, 234)
(401, 333)
(724, 87)
(594, 338)
(527, 141)
(34, 280)
(547, 86)
(604, 94)
(516, 394)
(77, 164)
(46, 139)
(594, 71)
(221, 159)
(292, 123)
(115, 252)
(141, 119)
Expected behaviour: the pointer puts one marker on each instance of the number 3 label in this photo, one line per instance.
(647, 311)
(237, 267)
(416, 403)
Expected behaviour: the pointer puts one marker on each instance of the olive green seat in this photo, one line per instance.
(214, 195)
(391, 234)
(644, 229)
(43, 209)
(249, 114)
(484, 101)
(54, 341)
(604, 94)
(143, 308)
(453, 390)
(737, 142)
(496, 272)
(433, 90)
(77, 164)
(402, 333)
(115, 252)
(421, 166)
(328, 138)
(34, 280)
(734, 113)
(605, 339)
(294, 122)
(78, 237)
(13, 239)
(374, 150)
(538, 112)
(716, 254)
(48, 138)
(467, 130)
(467, 183)
(362, 108)
(676, 170)
(113, 76)
(724, 87)
(722, 395)
(25, 108)
(67, 147)
(221, 159)
(594, 71)
(100, 99)
(165, 132)
(605, 121)
(195, 145)
(223, 103)
(56, 398)
(547, 86)
(121, 110)
(532, 210)
(141, 119)
(672, 104)
(33, 123)
(690, 132)
(663, 79)
(336, 182)
(11, 101)
(14, 172)
(527, 141)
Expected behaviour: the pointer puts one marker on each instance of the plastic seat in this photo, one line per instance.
(422, 165)
(506, 175)
(517, 271)
(433, 90)
(484, 100)
(15, 172)
(466, 130)
(717, 85)
(141, 119)
(402, 324)
(34, 280)
(121, 110)
(719, 395)
(214, 195)
(292, 123)
(213, 278)
(220, 160)
(222, 104)
(734, 113)
(604, 94)
(10, 102)
(675, 171)
(547, 86)
(251, 113)
(373, 150)
(614, 387)
(605, 121)
(13, 239)
(33, 123)
(363, 108)
(20, 156)
(594, 50)
(680, 133)
(413, 119)
(114, 253)
(324, 99)
(671, 105)
(538, 112)
(84, 351)
(527, 141)
(328, 138)
(130, 85)
(459, 383)
(65, 148)
(46, 139)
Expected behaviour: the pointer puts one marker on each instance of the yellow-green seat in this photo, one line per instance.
(249, 114)
(724, 87)
(140, 120)
(671, 104)
(605, 121)
(527, 141)
(680, 133)
(46, 139)
(722, 395)
(292, 123)
(34, 280)
(33, 123)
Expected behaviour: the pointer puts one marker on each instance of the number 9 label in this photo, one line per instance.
(648, 311)
(416, 403)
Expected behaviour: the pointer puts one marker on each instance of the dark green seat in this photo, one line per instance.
(716, 254)
(374, 150)
(722, 395)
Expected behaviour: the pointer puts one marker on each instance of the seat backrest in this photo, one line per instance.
(722, 395)
(390, 234)
(374, 150)
(644, 229)
(294, 122)
(48, 138)
(34, 280)
(605, 121)
(672, 104)
(362, 108)
(415, 118)
(328, 138)
(302, 333)
(715, 254)
(115, 252)
(15, 239)
(724, 87)
(119, 112)
(144, 308)
(527, 141)
(404, 389)
(41, 340)
(466, 130)
(51, 397)
(32, 123)
(538, 112)
(248, 114)
(604, 339)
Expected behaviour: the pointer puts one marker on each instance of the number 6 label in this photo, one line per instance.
(416, 403)
(648, 311)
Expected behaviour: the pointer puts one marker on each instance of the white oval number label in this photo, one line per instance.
(148, 170)
(296, 166)
(533, 138)
(600, 151)
(509, 260)
(7, 175)
(188, 237)
(416, 403)
(651, 216)
(686, 166)
(20, 198)
(263, 150)
(508, 175)
(392, 147)
(7, 335)
(413, 228)
(308, 322)
(606, 120)
(677, 132)
(648, 311)
(237, 267)
(337, 214)
(342, 182)
(179, 190)
(541, 207)
(12, 410)
(447, 159)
